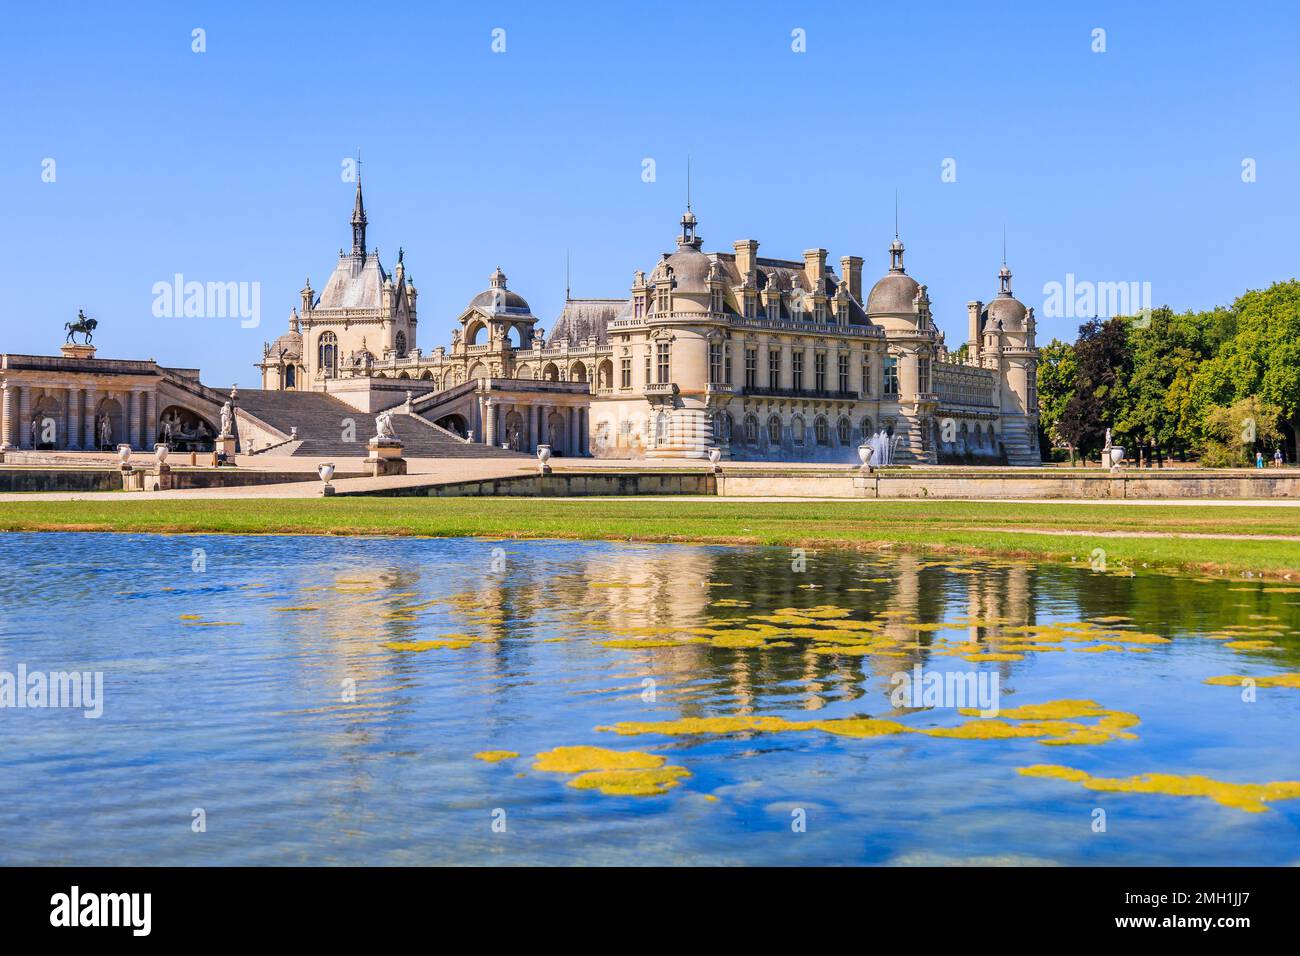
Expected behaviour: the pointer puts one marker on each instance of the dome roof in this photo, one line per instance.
(895, 292)
(497, 298)
(690, 268)
(500, 298)
(1006, 308)
(290, 344)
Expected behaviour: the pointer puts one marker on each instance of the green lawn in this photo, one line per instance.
(969, 527)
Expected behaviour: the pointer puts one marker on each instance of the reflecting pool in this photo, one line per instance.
(310, 700)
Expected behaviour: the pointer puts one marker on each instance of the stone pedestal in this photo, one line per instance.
(163, 479)
(77, 351)
(225, 445)
(385, 457)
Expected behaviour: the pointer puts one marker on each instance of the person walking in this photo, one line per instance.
(1277, 457)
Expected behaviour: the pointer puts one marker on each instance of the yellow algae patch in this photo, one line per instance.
(631, 783)
(1052, 710)
(583, 759)
(738, 639)
(1250, 797)
(648, 643)
(692, 726)
(212, 624)
(1250, 645)
(495, 756)
(191, 617)
(731, 602)
(861, 727)
(300, 607)
(453, 645)
(1273, 680)
(993, 656)
(1112, 619)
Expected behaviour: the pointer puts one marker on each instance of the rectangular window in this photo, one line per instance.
(866, 376)
(923, 374)
(773, 367)
(638, 308)
(797, 367)
(625, 372)
(891, 376)
(661, 354)
(715, 363)
(844, 372)
(648, 379)
(751, 368)
(819, 372)
(749, 305)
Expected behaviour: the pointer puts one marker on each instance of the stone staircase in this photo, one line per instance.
(1020, 440)
(321, 422)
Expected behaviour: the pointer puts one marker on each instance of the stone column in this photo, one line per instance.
(150, 420)
(544, 424)
(137, 399)
(572, 438)
(6, 415)
(72, 419)
(24, 417)
(88, 426)
(490, 423)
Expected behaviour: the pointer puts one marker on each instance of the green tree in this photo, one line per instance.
(1056, 372)
(1236, 432)
(1103, 365)
(1261, 359)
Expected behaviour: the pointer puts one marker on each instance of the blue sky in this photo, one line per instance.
(225, 165)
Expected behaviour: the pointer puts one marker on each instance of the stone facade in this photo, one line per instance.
(77, 402)
(767, 359)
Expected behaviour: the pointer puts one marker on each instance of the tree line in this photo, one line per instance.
(1217, 386)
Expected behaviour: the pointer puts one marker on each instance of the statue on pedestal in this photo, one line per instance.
(83, 325)
(105, 432)
(384, 426)
(227, 417)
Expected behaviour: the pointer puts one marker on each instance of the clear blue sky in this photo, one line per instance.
(225, 165)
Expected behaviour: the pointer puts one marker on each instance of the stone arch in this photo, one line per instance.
(111, 409)
(478, 370)
(774, 430)
(472, 330)
(751, 429)
(557, 432)
(578, 372)
(798, 429)
(327, 353)
(822, 431)
(844, 431)
(45, 410)
(404, 375)
(454, 423)
(605, 374)
(426, 375)
(524, 371)
(515, 437)
(550, 372)
(185, 430)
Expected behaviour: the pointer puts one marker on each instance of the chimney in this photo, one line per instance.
(746, 259)
(851, 269)
(973, 310)
(814, 268)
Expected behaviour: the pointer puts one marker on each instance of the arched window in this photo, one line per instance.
(822, 429)
(751, 429)
(327, 353)
(774, 430)
(867, 429)
(290, 377)
(844, 431)
(796, 430)
(399, 344)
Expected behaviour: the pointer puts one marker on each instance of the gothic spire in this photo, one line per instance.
(359, 217)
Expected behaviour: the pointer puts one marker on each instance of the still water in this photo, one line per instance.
(306, 700)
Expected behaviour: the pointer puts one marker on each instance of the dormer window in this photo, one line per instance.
(715, 297)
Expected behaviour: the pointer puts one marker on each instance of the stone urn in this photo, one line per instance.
(1116, 455)
(326, 472)
(865, 452)
(544, 456)
(161, 451)
(124, 455)
(715, 458)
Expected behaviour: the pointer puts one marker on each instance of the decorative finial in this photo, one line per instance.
(566, 275)
(688, 182)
